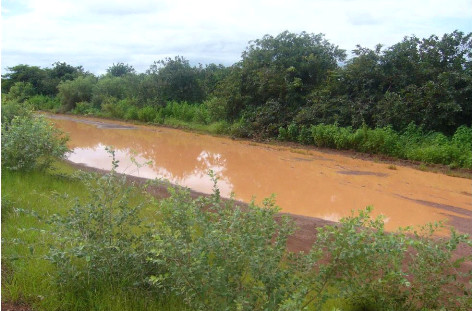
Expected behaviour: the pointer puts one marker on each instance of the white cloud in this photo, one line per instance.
(96, 34)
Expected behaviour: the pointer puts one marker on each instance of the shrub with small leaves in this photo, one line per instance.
(371, 269)
(12, 109)
(218, 256)
(31, 143)
(104, 239)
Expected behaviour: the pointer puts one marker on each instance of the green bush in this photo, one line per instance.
(305, 137)
(217, 256)
(360, 263)
(31, 142)
(43, 102)
(181, 111)
(292, 131)
(438, 148)
(131, 113)
(463, 137)
(441, 153)
(217, 108)
(118, 109)
(74, 91)
(332, 136)
(85, 108)
(12, 109)
(147, 114)
(411, 144)
(201, 115)
(220, 128)
(283, 134)
(241, 128)
(21, 91)
(103, 239)
(380, 140)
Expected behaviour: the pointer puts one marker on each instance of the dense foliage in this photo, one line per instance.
(103, 239)
(412, 143)
(218, 256)
(29, 141)
(376, 270)
(290, 79)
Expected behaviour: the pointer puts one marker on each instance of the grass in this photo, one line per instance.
(411, 144)
(26, 276)
(31, 278)
(216, 128)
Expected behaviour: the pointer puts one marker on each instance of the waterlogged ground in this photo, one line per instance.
(309, 183)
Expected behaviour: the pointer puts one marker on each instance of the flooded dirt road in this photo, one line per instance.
(310, 183)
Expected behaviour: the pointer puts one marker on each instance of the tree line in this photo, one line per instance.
(291, 78)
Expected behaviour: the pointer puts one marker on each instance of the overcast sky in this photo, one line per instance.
(96, 34)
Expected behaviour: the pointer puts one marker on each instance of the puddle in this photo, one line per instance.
(323, 185)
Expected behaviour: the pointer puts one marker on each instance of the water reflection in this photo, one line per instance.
(141, 165)
(311, 183)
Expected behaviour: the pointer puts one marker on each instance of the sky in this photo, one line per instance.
(96, 34)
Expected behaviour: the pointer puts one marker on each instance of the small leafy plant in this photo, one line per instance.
(358, 262)
(218, 256)
(103, 239)
(30, 142)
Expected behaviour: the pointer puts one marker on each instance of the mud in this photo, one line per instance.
(363, 173)
(98, 124)
(9, 306)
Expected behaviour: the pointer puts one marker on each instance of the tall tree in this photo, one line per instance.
(120, 69)
(176, 80)
(287, 67)
(24, 73)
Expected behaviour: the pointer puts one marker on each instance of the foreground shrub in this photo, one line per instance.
(217, 256)
(371, 269)
(102, 241)
(31, 143)
(213, 255)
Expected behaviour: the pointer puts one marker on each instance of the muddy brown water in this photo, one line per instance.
(310, 183)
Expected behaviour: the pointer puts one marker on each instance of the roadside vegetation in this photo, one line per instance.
(410, 100)
(83, 241)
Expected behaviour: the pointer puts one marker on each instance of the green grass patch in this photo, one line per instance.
(28, 200)
(411, 144)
